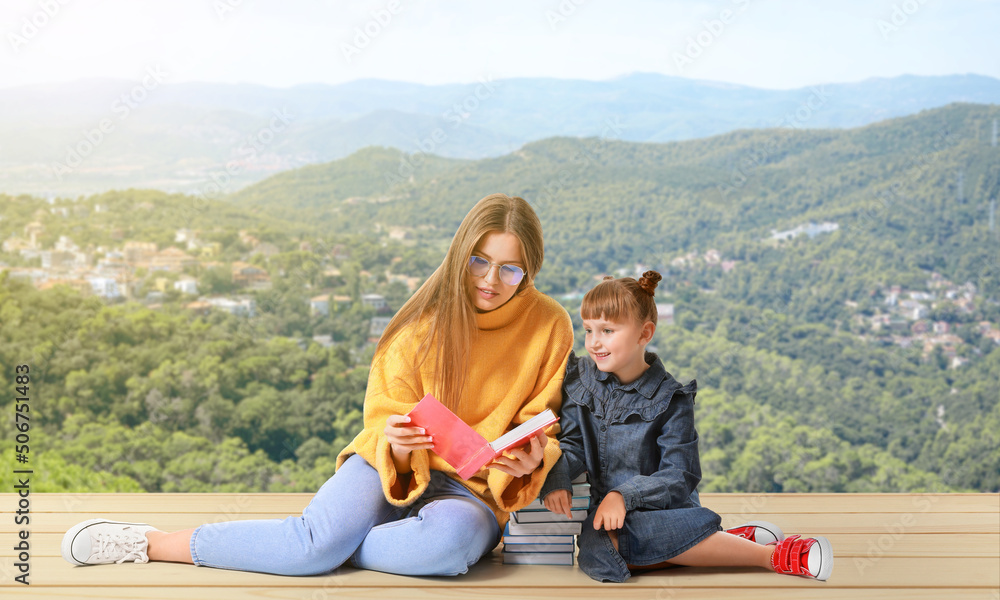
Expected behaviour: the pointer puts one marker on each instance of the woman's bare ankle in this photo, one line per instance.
(170, 547)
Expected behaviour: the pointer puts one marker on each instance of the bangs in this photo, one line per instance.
(611, 301)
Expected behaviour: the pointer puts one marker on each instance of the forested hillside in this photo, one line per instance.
(859, 353)
(82, 137)
(607, 203)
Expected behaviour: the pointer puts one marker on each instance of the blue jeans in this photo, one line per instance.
(444, 532)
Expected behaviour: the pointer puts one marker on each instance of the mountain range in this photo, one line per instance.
(93, 135)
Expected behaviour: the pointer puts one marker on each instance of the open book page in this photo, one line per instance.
(520, 434)
(460, 445)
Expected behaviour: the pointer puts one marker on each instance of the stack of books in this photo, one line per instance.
(536, 536)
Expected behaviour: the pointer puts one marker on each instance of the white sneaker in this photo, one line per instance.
(99, 541)
(762, 532)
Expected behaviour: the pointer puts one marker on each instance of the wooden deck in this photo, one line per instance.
(913, 546)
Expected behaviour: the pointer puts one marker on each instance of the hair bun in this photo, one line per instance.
(648, 281)
(608, 278)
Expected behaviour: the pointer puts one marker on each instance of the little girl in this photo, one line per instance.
(630, 425)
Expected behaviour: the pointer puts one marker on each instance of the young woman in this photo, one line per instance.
(479, 337)
(630, 425)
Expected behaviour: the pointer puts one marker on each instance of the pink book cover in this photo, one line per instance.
(459, 445)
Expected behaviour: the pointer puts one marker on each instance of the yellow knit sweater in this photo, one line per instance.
(516, 371)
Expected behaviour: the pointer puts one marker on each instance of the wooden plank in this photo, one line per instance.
(279, 504)
(735, 504)
(887, 572)
(847, 503)
(886, 545)
(844, 544)
(876, 523)
(505, 593)
(802, 523)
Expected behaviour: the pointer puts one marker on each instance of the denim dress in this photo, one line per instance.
(638, 439)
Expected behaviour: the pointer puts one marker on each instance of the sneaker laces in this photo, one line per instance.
(130, 545)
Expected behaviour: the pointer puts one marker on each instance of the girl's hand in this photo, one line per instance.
(522, 463)
(558, 501)
(611, 513)
(403, 439)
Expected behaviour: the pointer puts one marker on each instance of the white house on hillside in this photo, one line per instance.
(187, 285)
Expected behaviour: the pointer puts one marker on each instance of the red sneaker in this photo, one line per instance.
(762, 532)
(808, 557)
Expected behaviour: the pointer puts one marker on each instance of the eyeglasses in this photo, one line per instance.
(509, 274)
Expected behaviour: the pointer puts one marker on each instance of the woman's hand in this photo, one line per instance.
(522, 463)
(403, 439)
(611, 513)
(558, 501)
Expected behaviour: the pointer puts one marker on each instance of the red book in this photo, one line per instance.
(459, 445)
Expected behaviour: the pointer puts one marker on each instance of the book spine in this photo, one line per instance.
(576, 502)
(544, 516)
(476, 462)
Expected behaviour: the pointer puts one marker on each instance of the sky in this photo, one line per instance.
(774, 44)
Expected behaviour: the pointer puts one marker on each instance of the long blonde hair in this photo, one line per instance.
(443, 304)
